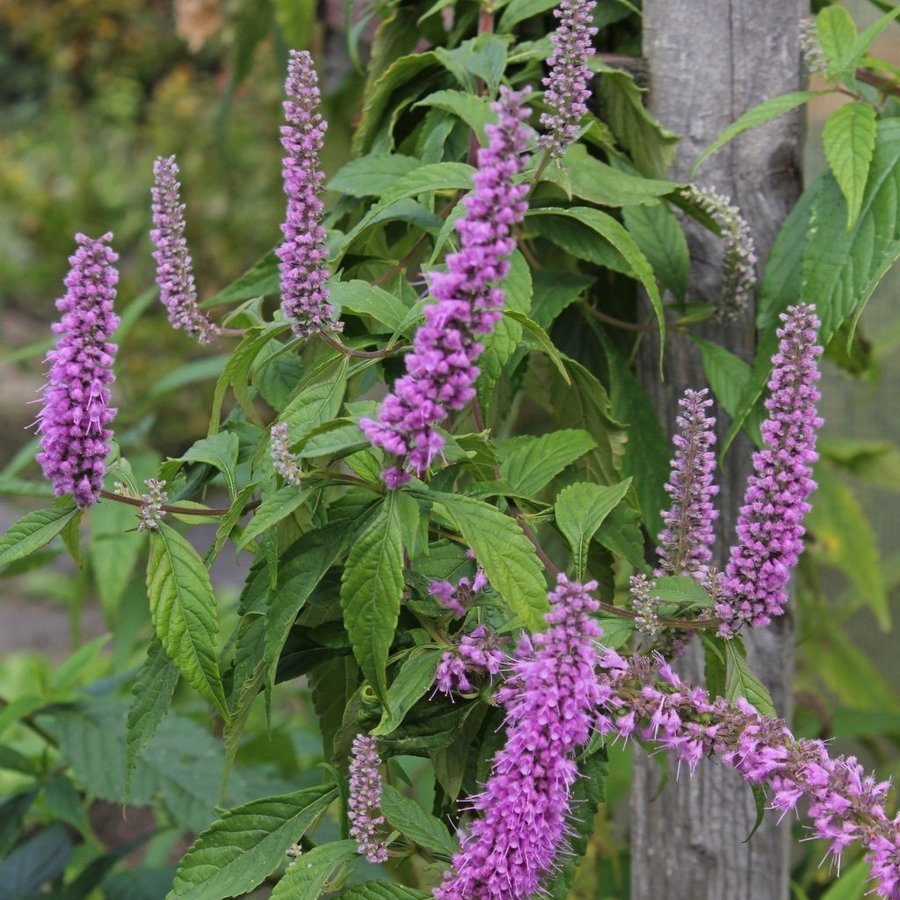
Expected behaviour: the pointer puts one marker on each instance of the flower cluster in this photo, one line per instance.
(174, 273)
(811, 48)
(440, 370)
(739, 268)
(550, 701)
(456, 598)
(645, 605)
(687, 536)
(303, 256)
(477, 653)
(363, 805)
(282, 459)
(770, 526)
(845, 805)
(152, 505)
(568, 82)
(72, 423)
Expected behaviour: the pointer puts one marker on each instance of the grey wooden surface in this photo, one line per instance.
(709, 61)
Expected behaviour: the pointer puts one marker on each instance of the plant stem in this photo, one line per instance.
(181, 510)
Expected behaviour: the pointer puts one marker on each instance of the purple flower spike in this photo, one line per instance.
(440, 370)
(770, 527)
(174, 273)
(365, 798)
(568, 83)
(303, 256)
(73, 422)
(550, 703)
(684, 543)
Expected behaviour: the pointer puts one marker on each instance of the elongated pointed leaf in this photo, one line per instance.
(370, 593)
(33, 531)
(152, 692)
(237, 852)
(508, 558)
(842, 268)
(183, 611)
(849, 141)
(530, 463)
(306, 878)
(759, 115)
(580, 510)
(410, 819)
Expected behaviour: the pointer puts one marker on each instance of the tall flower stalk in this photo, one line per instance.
(686, 539)
(440, 370)
(73, 422)
(568, 81)
(549, 699)
(174, 267)
(364, 803)
(303, 257)
(770, 526)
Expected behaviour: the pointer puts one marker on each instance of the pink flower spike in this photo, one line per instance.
(75, 439)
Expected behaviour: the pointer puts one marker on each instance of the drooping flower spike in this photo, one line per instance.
(440, 370)
(770, 526)
(283, 461)
(739, 265)
(73, 422)
(174, 268)
(364, 802)
(644, 696)
(568, 82)
(550, 702)
(303, 257)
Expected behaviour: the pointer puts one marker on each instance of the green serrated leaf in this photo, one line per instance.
(364, 299)
(482, 57)
(371, 588)
(647, 452)
(681, 590)
(12, 814)
(656, 231)
(32, 865)
(846, 540)
(580, 510)
(238, 851)
(219, 451)
(372, 175)
(650, 145)
(473, 110)
(382, 890)
(760, 801)
(587, 178)
(411, 820)
(740, 680)
(842, 268)
(837, 35)
(849, 141)
(306, 878)
(33, 531)
(316, 403)
(759, 115)
(152, 691)
(531, 463)
(183, 611)
(519, 10)
(442, 176)
(508, 558)
(415, 677)
(261, 280)
(613, 232)
(272, 510)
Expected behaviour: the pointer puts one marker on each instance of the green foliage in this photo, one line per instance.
(559, 464)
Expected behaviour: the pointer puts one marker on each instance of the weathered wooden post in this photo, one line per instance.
(709, 61)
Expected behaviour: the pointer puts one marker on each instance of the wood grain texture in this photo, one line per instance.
(709, 62)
